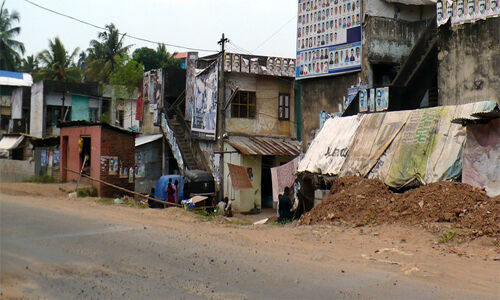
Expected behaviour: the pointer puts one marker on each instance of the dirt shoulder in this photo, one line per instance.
(406, 250)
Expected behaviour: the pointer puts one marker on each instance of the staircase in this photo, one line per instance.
(192, 157)
(416, 75)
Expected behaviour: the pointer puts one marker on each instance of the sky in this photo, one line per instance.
(192, 23)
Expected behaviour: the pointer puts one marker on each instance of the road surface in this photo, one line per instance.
(55, 248)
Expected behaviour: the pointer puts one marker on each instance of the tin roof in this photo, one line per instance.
(146, 139)
(255, 145)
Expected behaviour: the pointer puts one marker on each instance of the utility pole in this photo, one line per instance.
(222, 113)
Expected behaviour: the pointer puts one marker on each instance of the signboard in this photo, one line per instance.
(328, 37)
(205, 102)
(465, 11)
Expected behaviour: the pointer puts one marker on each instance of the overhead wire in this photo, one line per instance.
(122, 34)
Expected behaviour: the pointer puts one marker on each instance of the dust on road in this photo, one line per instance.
(85, 249)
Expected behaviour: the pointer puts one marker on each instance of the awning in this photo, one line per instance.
(253, 145)
(146, 139)
(10, 142)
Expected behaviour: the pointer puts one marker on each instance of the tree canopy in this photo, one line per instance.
(155, 59)
(57, 64)
(11, 50)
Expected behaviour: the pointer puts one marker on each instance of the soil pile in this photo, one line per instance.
(359, 201)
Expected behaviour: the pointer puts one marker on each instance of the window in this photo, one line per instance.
(120, 117)
(243, 105)
(93, 114)
(284, 107)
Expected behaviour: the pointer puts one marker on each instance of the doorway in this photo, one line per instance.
(267, 182)
(85, 154)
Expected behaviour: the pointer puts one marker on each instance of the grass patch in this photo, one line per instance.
(89, 191)
(204, 215)
(447, 236)
(40, 179)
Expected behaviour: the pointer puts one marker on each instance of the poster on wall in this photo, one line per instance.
(205, 108)
(363, 100)
(113, 165)
(43, 158)
(245, 65)
(190, 79)
(236, 63)
(277, 66)
(465, 11)
(228, 62)
(382, 98)
(152, 89)
(254, 65)
(371, 101)
(270, 66)
(328, 37)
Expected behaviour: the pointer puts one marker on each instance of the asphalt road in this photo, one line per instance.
(52, 254)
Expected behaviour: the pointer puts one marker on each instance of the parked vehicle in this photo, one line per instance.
(193, 183)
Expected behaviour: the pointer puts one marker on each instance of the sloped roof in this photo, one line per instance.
(255, 145)
(146, 139)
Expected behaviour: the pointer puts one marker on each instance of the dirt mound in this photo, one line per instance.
(359, 201)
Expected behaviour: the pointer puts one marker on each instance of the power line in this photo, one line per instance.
(123, 34)
(275, 33)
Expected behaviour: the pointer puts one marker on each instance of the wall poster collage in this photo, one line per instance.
(204, 118)
(152, 89)
(274, 66)
(465, 11)
(328, 37)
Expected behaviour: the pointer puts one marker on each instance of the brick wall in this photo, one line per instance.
(121, 145)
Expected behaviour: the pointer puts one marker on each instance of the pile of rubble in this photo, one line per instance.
(358, 201)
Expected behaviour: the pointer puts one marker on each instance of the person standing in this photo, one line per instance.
(170, 192)
(177, 192)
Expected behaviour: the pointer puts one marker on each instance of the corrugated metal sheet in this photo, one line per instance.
(254, 145)
(145, 139)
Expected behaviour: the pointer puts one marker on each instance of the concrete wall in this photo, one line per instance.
(469, 62)
(267, 90)
(16, 170)
(325, 93)
(37, 110)
(387, 41)
(244, 200)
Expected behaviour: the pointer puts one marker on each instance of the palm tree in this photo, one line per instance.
(10, 49)
(105, 53)
(167, 59)
(58, 64)
(30, 64)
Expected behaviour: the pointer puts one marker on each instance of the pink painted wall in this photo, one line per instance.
(73, 156)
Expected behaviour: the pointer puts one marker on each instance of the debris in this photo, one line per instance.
(460, 204)
(261, 222)
(72, 195)
(118, 201)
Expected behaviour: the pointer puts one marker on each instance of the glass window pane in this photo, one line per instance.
(252, 97)
(251, 113)
(243, 111)
(286, 113)
(287, 98)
